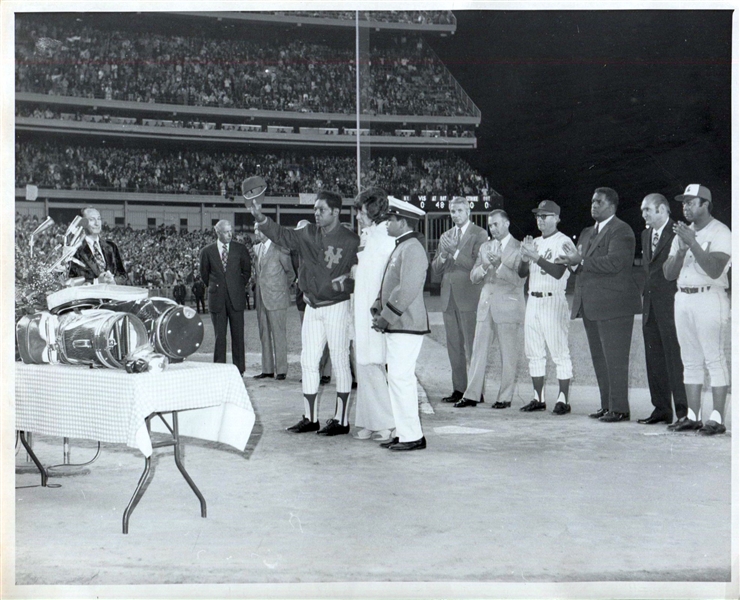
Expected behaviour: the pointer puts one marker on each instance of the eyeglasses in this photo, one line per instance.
(542, 217)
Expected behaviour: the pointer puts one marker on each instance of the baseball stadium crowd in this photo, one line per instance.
(50, 164)
(420, 17)
(406, 78)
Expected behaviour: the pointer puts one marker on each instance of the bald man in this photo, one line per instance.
(225, 267)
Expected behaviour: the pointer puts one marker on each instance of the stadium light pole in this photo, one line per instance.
(357, 93)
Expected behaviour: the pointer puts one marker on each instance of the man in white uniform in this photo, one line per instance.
(547, 318)
(699, 259)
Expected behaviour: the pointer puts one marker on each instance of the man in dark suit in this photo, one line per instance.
(99, 260)
(225, 267)
(662, 351)
(607, 298)
(456, 255)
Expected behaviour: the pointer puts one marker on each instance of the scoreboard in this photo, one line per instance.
(441, 203)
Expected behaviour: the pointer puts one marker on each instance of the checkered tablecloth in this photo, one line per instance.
(110, 405)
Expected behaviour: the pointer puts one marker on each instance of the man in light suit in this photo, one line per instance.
(273, 276)
(662, 351)
(456, 255)
(500, 311)
(607, 298)
(225, 267)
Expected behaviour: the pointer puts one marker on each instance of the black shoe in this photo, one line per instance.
(685, 424)
(280, 377)
(325, 379)
(614, 417)
(264, 376)
(454, 397)
(465, 403)
(599, 413)
(561, 408)
(533, 406)
(655, 419)
(419, 444)
(498, 404)
(712, 428)
(304, 425)
(389, 443)
(333, 427)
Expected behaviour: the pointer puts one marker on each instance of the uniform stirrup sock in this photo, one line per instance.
(539, 387)
(564, 385)
(716, 417)
(692, 415)
(341, 412)
(309, 402)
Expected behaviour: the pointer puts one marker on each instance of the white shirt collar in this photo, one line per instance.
(221, 246)
(464, 228)
(604, 222)
(505, 241)
(91, 240)
(267, 243)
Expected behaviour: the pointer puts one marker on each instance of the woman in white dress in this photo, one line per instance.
(373, 414)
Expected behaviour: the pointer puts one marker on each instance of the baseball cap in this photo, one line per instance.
(695, 190)
(547, 207)
(400, 208)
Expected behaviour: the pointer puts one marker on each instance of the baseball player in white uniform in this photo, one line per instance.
(699, 259)
(547, 317)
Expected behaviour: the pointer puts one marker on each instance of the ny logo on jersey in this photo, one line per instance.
(332, 256)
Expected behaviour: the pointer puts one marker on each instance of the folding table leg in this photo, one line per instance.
(34, 458)
(181, 467)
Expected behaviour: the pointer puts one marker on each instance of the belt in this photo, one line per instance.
(541, 294)
(695, 290)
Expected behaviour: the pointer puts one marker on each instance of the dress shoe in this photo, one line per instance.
(333, 427)
(533, 406)
(325, 379)
(599, 413)
(614, 417)
(454, 397)
(465, 403)
(264, 376)
(685, 424)
(280, 377)
(389, 443)
(304, 425)
(655, 419)
(712, 428)
(498, 404)
(561, 408)
(419, 444)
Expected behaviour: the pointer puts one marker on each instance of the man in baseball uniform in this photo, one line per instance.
(500, 311)
(547, 318)
(662, 351)
(699, 260)
(327, 252)
(456, 254)
(400, 313)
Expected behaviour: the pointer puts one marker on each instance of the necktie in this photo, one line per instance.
(458, 234)
(656, 238)
(98, 255)
(225, 255)
(596, 229)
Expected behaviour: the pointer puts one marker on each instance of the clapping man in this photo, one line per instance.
(607, 298)
(456, 255)
(699, 259)
(500, 311)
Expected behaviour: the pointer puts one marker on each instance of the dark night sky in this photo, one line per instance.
(572, 100)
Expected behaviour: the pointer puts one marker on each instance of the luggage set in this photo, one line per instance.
(96, 327)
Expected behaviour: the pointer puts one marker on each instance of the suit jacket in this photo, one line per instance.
(456, 271)
(658, 291)
(605, 288)
(90, 270)
(273, 276)
(503, 290)
(232, 282)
